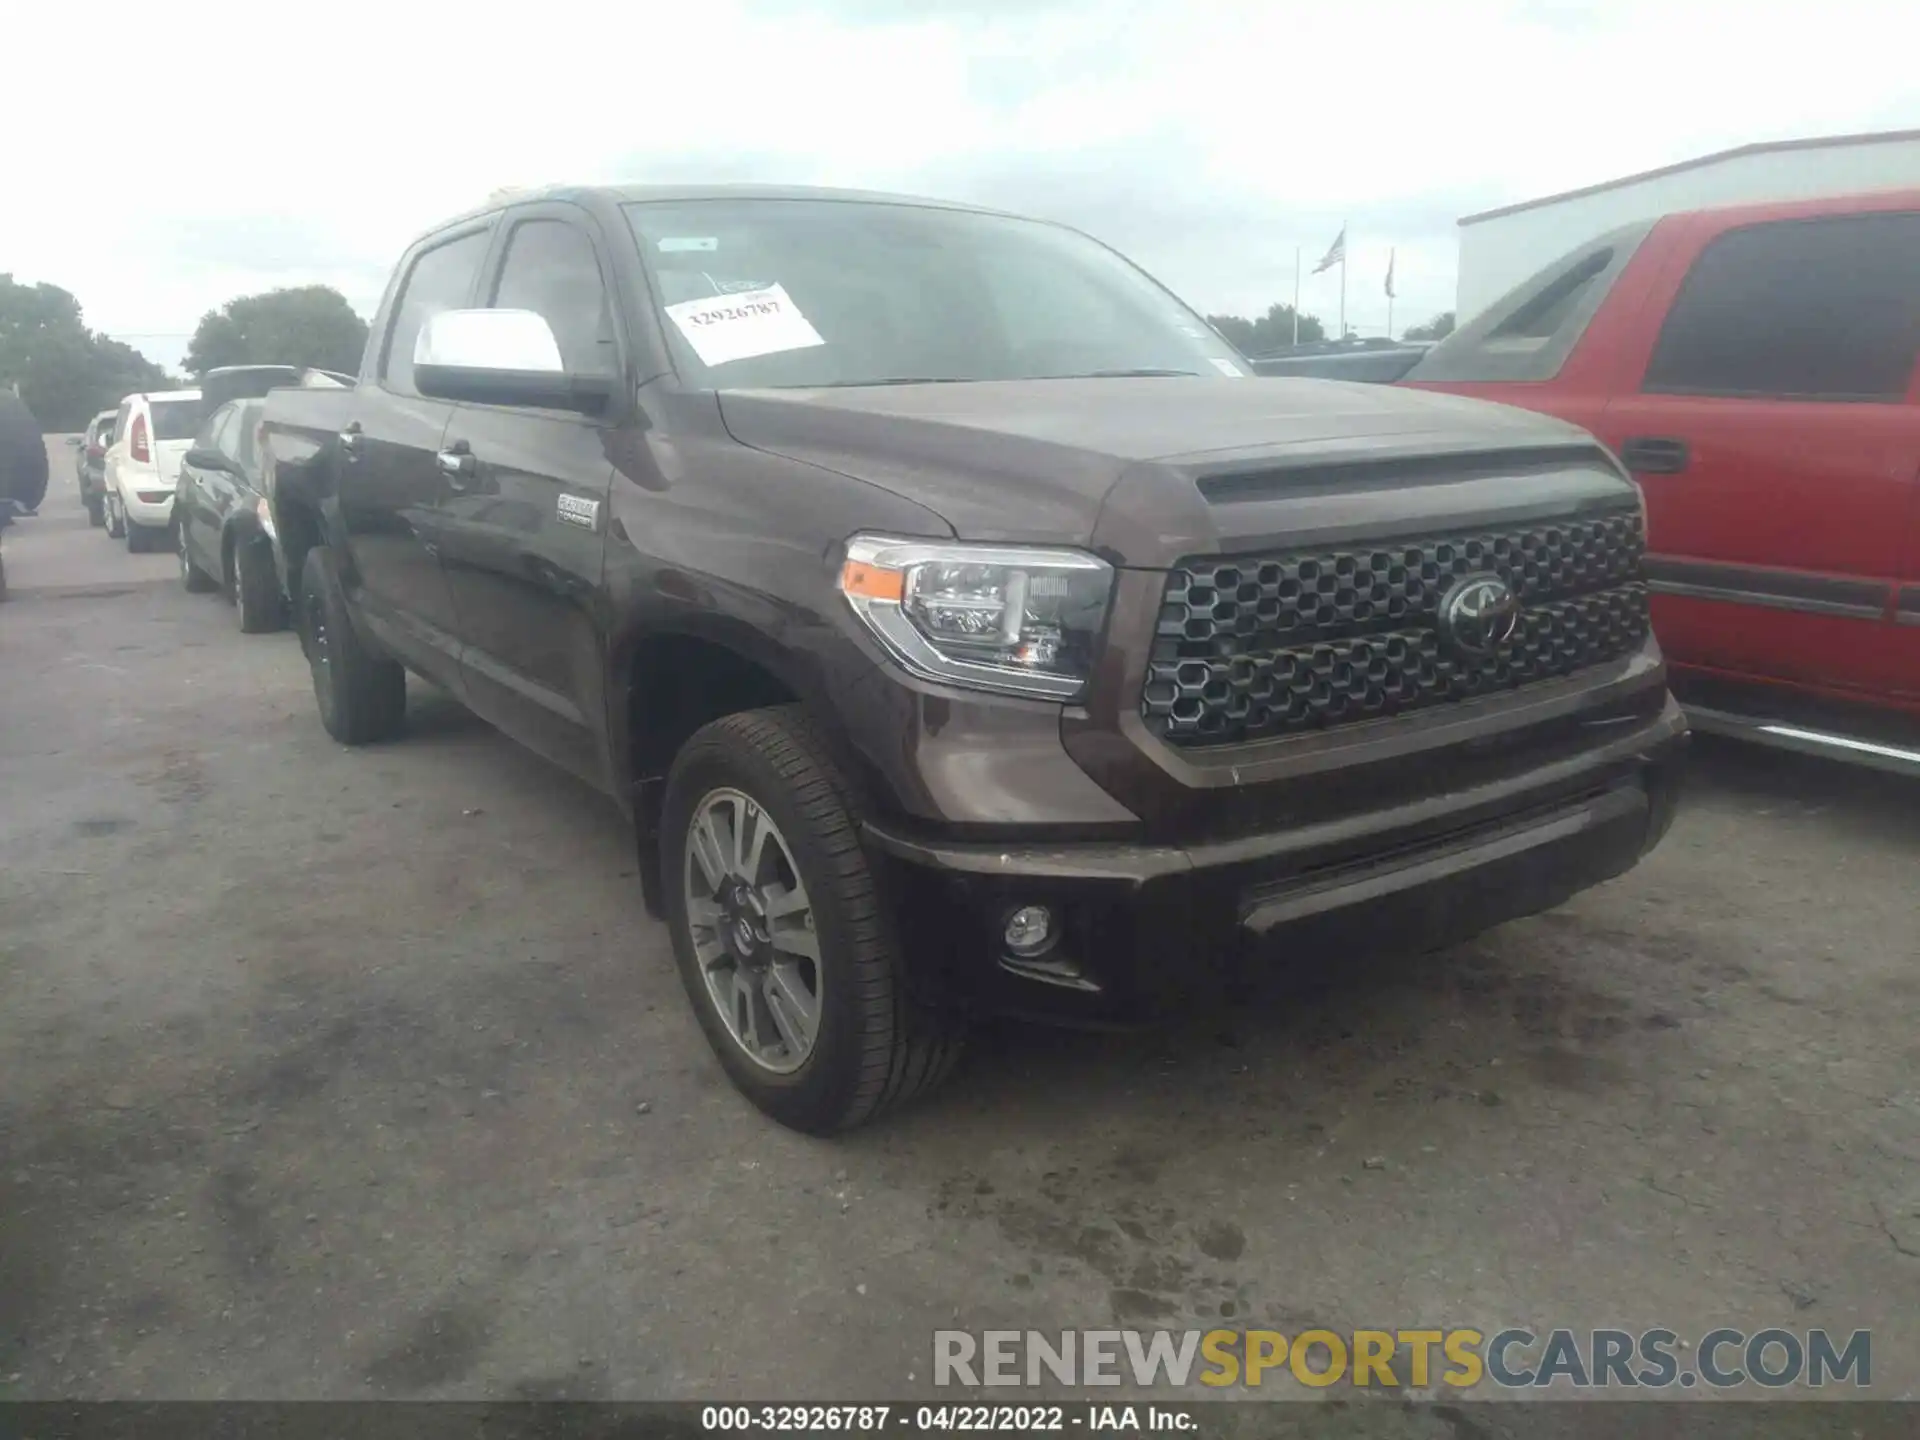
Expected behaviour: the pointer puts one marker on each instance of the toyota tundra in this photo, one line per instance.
(960, 624)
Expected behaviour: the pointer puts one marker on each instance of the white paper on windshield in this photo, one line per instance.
(672, 244)
(737, 327)
(1227, 367)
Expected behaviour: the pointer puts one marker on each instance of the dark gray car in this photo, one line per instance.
(90, 461)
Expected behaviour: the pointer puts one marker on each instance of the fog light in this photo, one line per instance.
(1030, 931)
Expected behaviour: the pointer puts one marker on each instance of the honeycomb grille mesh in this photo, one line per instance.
(1253, 646)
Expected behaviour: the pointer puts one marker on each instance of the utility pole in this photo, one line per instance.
(1296, 294)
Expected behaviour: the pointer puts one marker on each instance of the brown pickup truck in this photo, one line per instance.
(961, 625)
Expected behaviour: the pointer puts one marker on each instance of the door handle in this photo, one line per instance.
(458, 465)
(1654, 454)
(350, 441)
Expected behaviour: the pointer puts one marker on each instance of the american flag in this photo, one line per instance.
(1336, 254)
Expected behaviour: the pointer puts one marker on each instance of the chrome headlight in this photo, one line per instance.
(989, 617)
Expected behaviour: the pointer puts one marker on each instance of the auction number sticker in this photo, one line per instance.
(737, 327)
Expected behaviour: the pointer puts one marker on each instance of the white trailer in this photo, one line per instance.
(1500, 248)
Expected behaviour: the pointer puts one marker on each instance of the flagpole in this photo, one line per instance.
(1392, 255)
(1296, 294)
(1344, 247)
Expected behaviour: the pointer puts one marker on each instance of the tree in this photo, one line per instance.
(66, 373)
(310, 325)
(1272, 331)
(1438, 328)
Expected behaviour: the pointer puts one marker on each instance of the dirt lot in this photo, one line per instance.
(331, 1073)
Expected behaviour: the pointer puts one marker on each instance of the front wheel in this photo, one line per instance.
(256, 589)
(362, 696)
(191, 575)
(782, 933)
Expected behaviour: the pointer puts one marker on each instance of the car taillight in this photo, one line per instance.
(137, 441)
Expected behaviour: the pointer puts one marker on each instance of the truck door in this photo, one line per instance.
(390, 483)
(1903, 657)
(524, 522)
(1770, 434)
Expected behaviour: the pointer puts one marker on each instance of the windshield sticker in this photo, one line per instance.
(738, 327)
(674, 244)
(734, 287)
(1227, 367)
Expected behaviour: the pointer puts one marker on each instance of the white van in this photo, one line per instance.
(150, 434)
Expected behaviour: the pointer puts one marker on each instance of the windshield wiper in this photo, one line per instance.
(1142, 373)
(900, 380)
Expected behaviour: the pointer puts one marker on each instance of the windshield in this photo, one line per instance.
(821, 292)
(175, 419)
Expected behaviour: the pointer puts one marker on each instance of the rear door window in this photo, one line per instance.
(1824, 309)
(442, 278)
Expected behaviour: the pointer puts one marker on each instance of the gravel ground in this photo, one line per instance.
(330, 1073)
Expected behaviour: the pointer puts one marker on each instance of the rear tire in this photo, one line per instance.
(116, 518)
(96, 511)
(362, 697)
(256, 589)
(192, 576)
(142, 539)
(873, 1045)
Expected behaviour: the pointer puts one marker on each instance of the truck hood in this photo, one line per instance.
(1120, 464)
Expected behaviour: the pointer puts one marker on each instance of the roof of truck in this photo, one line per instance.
(629, 194)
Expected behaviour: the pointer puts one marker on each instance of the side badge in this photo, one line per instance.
(575, 510)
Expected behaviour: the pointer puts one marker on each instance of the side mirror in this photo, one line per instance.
(202, 458)
(501, 357)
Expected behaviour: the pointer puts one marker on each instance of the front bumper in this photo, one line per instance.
(1144, 928)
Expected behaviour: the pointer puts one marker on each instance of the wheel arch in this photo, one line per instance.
(664, 685)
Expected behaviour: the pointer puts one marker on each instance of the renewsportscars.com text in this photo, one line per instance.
(1458, 1359)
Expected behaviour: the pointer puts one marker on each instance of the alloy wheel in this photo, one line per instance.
(752, 928)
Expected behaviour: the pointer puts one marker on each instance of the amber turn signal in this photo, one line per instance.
(871, 582)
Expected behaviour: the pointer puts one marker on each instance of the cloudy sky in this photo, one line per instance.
(160, 161)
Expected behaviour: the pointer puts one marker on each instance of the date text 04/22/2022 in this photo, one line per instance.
(924, 1419)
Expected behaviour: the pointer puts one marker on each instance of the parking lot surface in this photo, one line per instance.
(334, 1073)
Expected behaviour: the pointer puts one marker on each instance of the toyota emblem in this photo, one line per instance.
(1479, 614)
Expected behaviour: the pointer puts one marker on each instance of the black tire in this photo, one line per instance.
(96, 511)
(362, 696)
(116, 519)
(876, 1046)
(191, 575)
(142, 539)
(256, 588)
(23, 453)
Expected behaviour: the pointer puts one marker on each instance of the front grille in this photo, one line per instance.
(1253, 646)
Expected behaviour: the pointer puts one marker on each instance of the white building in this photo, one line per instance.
(1500, 248)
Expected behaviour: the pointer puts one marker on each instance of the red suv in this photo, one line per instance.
(1755, 368)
